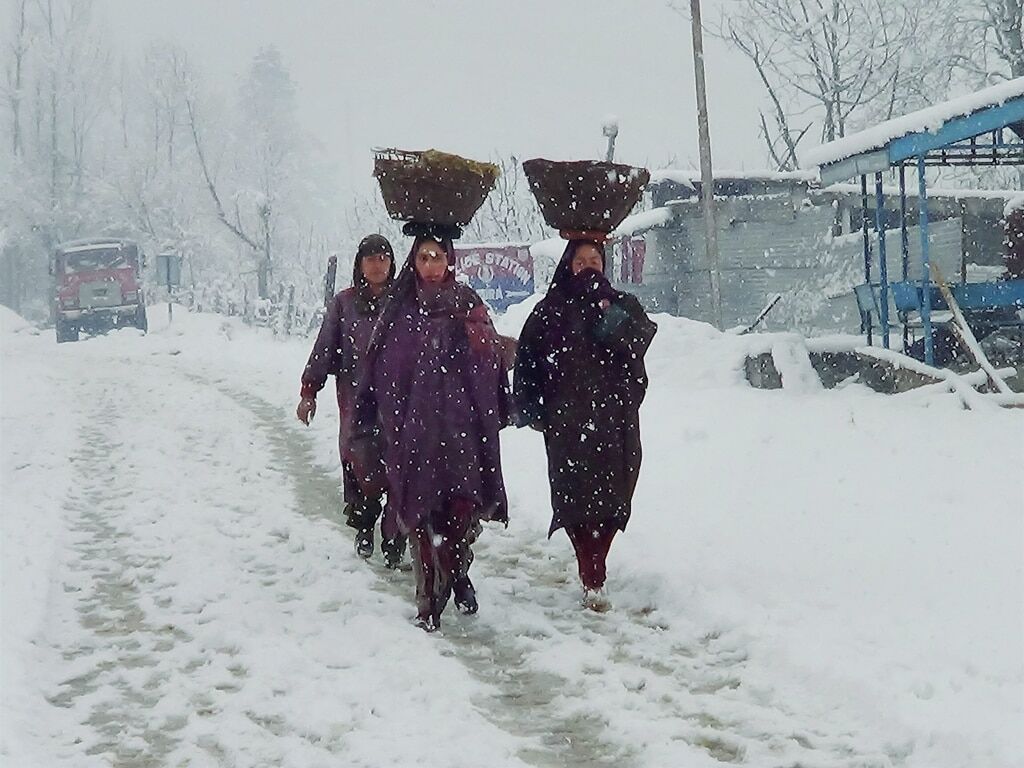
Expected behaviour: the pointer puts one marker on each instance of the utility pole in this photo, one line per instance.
(707, 182)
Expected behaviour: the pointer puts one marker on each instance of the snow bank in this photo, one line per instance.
(11, 322)
(38, 433)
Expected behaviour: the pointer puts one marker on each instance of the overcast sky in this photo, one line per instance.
(529, 77)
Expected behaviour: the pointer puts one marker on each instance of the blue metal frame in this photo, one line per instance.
(904, 247)
(909, 297)
(987, 120)
(955, 142)
(926, 303)
(883, 268)
(866, 325)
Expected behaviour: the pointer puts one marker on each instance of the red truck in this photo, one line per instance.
(97, 286)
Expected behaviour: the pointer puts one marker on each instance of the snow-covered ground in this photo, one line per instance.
(810, 578)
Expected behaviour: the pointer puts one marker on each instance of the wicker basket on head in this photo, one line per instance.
(585, 194)
(432, 186)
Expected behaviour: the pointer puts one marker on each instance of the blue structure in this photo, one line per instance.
(983, 129)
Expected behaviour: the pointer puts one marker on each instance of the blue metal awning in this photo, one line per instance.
(957, 130)
(975, 137)
(974, 130)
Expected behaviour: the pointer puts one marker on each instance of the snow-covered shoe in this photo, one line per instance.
(393, 551)
(364, 542)
(465, 595)
(428, 623)
(596, 600)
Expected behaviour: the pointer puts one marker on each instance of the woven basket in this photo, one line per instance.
(431, 186)
(585, 194)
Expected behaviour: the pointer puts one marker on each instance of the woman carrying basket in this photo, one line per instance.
(580, 379)
(437, 385)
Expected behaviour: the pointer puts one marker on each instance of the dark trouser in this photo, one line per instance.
(360, 512)
(441, 556)
(592, 542)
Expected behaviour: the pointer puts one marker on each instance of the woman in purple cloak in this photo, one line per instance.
(436, 383)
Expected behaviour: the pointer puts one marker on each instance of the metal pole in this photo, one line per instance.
(904, 247)
(904, 235)
(170, 312)
(867, 246)
(707, 181)
(926, 293)
(883, 269)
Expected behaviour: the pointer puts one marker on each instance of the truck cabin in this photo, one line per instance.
(101, 256)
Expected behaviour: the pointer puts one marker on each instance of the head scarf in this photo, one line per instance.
(369, 245)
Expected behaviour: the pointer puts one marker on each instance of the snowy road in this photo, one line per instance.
(179, 590)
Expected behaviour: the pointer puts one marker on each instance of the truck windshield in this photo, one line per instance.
(93, 260)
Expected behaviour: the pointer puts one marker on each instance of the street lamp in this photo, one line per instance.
(610, 128)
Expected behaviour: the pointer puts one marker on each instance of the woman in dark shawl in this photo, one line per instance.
(436, 385)
(339, 350)
(580, 379)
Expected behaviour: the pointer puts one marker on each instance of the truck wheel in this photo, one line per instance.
(140, 319)
(66, 332)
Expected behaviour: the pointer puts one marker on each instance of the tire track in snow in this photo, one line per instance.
(117, 679)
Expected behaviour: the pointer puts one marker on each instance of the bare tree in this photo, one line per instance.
(831, 64)
(16, 73)
(147, 151)
(234, 226)
(1004, 19)
(509, 214)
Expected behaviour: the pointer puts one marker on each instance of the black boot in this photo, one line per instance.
(465, 595)
(393, 551)
(364, 543)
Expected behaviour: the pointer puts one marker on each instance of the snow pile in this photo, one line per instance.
(1015, 203)
(928, 119)
(11, 322)
(810, 577)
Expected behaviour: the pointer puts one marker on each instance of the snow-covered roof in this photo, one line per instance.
(930, 119)
(676, 175)
(92, 246)
(641, 222)
(460, 246)
(688, 176)
(91, 243)
(631, 225)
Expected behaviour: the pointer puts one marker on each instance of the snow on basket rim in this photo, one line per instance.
(927, 119)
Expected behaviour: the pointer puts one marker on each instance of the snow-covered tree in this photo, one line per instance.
(832, 66)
